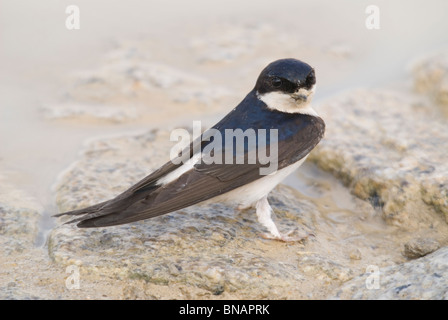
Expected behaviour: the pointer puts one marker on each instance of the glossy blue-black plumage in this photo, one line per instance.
(252, 113)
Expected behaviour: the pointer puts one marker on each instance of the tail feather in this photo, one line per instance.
(83, 211)
(107, 210)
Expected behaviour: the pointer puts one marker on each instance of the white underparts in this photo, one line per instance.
(264, 212)
(297, 102)
(247, 195)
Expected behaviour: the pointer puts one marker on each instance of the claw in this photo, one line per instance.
(242, 207)
(264, 211)
(285, 237)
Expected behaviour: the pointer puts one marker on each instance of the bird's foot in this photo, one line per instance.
(244, 207)
(287, 237)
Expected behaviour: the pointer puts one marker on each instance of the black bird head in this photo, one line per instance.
(287, 85)
(286, 75)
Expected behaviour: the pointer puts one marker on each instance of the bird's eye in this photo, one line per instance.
(276, 82)
(311, 79)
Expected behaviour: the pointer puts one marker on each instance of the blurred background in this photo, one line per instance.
(136, 64)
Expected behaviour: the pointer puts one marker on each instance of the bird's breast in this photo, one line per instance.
(250, 193)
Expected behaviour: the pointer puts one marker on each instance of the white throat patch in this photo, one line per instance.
(290, 103)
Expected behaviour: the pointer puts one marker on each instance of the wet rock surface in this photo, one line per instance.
(420, 247)
(208, 248)
(214, 250)
(373, 195)
(212, 247)
(424, 278)
(19, 218)
(431, 78)
(389, 151)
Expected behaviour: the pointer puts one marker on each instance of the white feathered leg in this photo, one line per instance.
(264, 212)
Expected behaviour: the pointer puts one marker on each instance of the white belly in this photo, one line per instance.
(247, 195)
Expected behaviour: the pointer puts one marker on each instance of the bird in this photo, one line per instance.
(280, 103)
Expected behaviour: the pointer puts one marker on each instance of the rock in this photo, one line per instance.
(20, 215)
(181, 248)
(431, 77)
(195, 246)
(212, 250)
(19, 219)
(318, 266)
(420, 247)
(388, 151)
(425, 278)
(392, 163)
